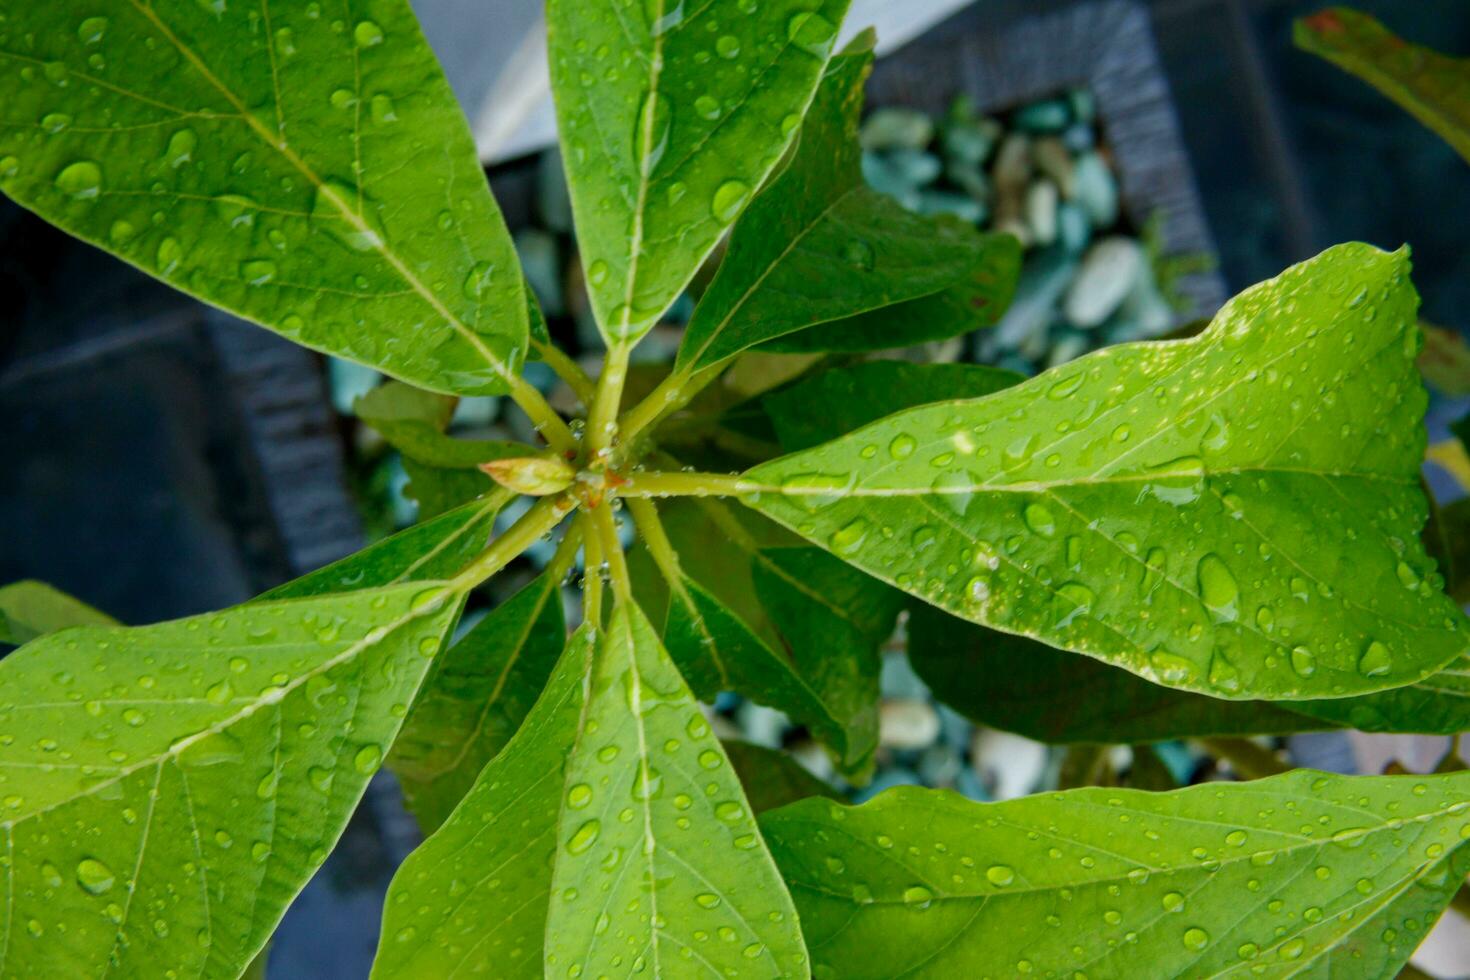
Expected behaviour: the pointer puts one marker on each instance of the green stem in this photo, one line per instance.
(566, 552)
(568, 370)
(612, 553)
(551, 425)
(544, 515)
(602, 419)
(671, 394)
(656, 539)
(1246, 757)
(592, 581)
(658, 483)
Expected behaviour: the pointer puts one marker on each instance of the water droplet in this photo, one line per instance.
(811, 32)
(81, 181)
(367, 34)
(94, 876)
(1218, 589)
(1303, 661)
(181, 146)
(850, 538)
(707, 900)
(585, 836)
(367, 760)
(1173, 902)
(383, 110)
(55, 122)
(597, 273)
(728, 46)
(708, 108)
(121, 232)
(1196, 938)
(710, 759)
(477, 283)
(1408, 576)
(92, 30)
(999, 874)
(579, 796)
(859, 254)
(651, 137)
(728, 200)
(917, 896)
(902, 446)
(257, 272)
(1376, 660)
(1040, 520)
(320, 778)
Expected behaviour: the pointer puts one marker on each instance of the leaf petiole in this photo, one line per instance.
(544, 515)
(592, 585)
(602, 416)
(670, 395)
(553, 427)
(612, 552)
(568, 370)
(658, 483)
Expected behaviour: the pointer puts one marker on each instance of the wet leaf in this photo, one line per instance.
(310, 171)
(477, 695)
(974, 303)
(169, 789)
(1050, 695)
(819, 245)
(672, 114)
(438, 490)
(1434, 88)
(413, 421)
(30, 609)
(1437, 705)
(833, 403)
(1304, 874)
(659, 860)
(472, 899)
(1236, 514)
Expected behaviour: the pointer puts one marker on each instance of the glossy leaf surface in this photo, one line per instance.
(975, 302)
(1437, 705)
(1300, 875)
(833, 403)
(660, 867)
(308, 169)
(222, 754)
(472, 899)
(1236, 514)
(1050, 695)
(819, 244)
(672, 114)
(30, 609)
(1434, 88)
(475, 698)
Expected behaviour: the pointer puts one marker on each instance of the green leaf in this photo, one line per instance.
(1434, 88)
(672, 114)
(660, 866)
(413, 421)
(971, 304)
(1236, 514)
(308, 171)
(439, 490)
(1303, 875)
(819, 245)
(472, 899)
(169, 789)
(772, 778)
(1050, 695)
(833, 403)
(793, 628)
(1437, 705)
(30, 609)
(432, 550)
(476, 697)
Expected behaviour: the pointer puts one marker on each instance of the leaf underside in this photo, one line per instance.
(1300, 875)
(193, 774)
(309, 170)
(1236, 514)
(30, 609)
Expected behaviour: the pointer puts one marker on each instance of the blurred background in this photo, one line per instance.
(1154, 156)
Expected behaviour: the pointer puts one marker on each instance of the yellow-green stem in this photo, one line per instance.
(663, 484)
(612, 552)
(602, 419)
(544, 515)
(671, 394)
(592, 580)
(551, 425)
(1247, 758)
(656, 539)
(568, 370)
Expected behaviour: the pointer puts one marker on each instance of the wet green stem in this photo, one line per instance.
(568, 370)
(612, 552)
(544, 515)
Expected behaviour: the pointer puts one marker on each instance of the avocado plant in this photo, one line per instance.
(1213, 536)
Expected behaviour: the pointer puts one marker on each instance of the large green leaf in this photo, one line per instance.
(1434, 88)
(833, 403)
(773, 778)
(975, 302)
(30, 609)
(672, 113)
(308, 169)
(819, 244)
(476, 697)
(1237, 513)
(660, 866)
(1300, 875)
(472, 899)
(1050, 695)
(169, 789)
